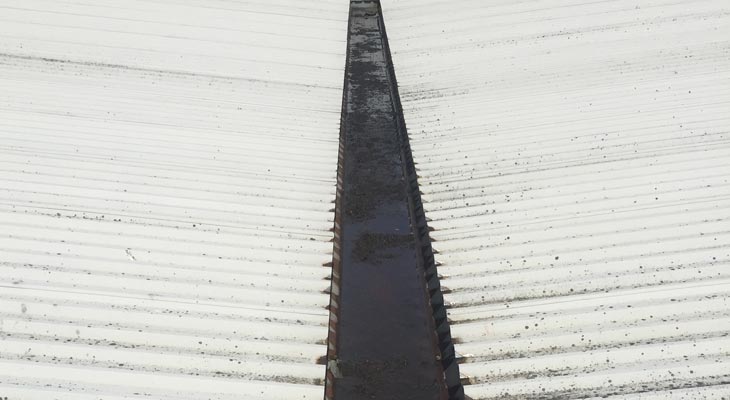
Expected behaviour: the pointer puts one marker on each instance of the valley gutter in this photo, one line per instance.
(389, 338)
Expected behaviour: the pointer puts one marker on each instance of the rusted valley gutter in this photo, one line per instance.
(389, 338)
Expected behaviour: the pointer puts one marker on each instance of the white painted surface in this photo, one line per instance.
(167, 172)
(574, 160)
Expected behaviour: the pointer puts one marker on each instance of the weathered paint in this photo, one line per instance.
(573, 159)
(167, 177)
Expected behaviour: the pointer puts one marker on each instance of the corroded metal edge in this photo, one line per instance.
(442, 331)
(332, 371)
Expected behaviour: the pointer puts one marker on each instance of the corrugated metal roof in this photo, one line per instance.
(573, 158)
(168, 175)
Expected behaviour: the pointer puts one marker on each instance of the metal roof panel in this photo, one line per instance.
(572, 159)
(168, 175)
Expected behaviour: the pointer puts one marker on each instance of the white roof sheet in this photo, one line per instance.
(574, 158)
(167, 173)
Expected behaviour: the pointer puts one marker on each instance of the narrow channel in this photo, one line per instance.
(385, 344)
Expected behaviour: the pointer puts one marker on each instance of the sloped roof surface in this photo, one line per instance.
(573, 158)
(167, 173)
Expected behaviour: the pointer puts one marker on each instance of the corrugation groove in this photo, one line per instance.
(168, 177)
(572, 159)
